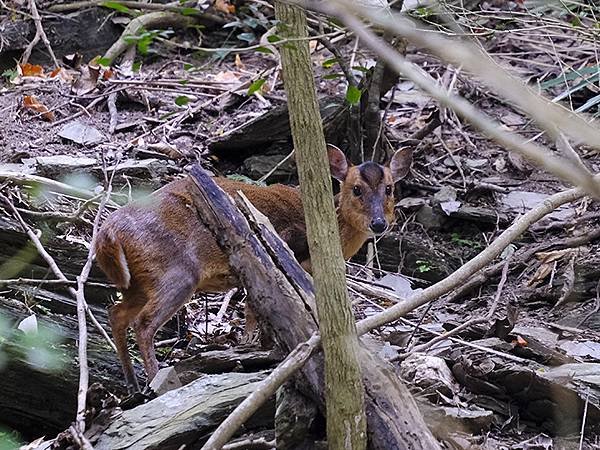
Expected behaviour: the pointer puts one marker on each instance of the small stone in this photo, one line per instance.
(81, 133)
(165, 380)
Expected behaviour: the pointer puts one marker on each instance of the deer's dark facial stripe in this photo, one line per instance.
(371, 173)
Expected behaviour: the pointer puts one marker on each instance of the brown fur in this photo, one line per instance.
(159, 253)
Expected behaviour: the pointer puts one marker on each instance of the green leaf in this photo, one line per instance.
(182, 100)
(569, 76)
(136, 66)
(328, 63)
(264, 50)
(105, 62)
(143, 44)
(353, 95)
(117, 6)
(255, 86)
(273, 38)
(360, 69)
(187, 66)
(188, 11)
(333, 76)
(10, 74)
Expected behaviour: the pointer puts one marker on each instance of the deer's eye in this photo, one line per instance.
(357, 191)
(388, 189)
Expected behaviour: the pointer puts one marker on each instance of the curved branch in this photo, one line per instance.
(151, 20)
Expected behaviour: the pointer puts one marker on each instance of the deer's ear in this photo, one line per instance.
(401, 162)
(338, 164)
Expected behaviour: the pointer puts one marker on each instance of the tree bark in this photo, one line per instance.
(344, 392)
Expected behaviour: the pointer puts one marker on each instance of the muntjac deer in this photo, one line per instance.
(158, 252)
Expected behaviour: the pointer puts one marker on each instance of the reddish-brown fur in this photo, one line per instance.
(158, 253)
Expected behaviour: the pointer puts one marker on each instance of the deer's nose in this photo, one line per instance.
(378, 225)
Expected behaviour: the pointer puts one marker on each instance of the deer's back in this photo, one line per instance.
(162, 238)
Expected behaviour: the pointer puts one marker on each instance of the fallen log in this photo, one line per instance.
(184, 416)
(281, 294)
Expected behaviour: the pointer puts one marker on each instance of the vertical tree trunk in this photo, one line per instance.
(346, 422)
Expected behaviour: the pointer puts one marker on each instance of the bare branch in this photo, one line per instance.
(52, 264)
(561, 167)
(266, 389)
(39, 34)
(81, 310)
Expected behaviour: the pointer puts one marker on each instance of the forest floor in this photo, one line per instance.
(179, 106)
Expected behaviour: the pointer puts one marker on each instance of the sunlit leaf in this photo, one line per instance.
(182, 100)
(328, 63)
(117, 7)
(353, 95)
(264, 50)
(256, 85)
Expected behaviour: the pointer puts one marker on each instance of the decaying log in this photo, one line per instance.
(281, 294)
(221, 361)
(184, 416)
(296, 418)
(19, 258)
(553, 398)
(88, 32)
(41, 401)
(275, 126)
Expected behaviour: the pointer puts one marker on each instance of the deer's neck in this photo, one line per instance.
(351, 238)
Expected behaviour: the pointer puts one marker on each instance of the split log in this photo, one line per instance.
(553, 398)
(275, 126)
(184, 416)
(88, 32)
(35, 400)
(282, 295)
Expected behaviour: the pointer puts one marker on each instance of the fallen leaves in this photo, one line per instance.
(224, 6)
(32, 104)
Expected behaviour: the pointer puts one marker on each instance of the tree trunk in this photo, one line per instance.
(346, 422)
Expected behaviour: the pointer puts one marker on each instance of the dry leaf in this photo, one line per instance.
(31, 70)
(555, 255)
(55, 72)
(238, 62)
(226, 77)
(549, 261)
(521, 342)
(87, 80)
(32, 104)
(224, 6)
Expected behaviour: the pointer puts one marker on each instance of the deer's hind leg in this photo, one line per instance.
(162, 304)
(120, 317)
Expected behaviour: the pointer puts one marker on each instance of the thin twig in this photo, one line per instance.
(81, 310)
(473, 321)
(39, 34)
(266, 176)
(80, 439)
(52, 264)
(265, 390)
